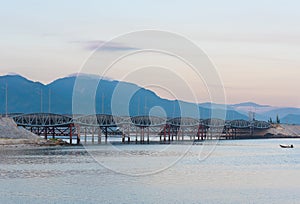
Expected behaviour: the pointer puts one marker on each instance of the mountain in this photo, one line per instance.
(265, 112)
(87, 94)
(283, 112)
(23, 95)
(250, 104)
(291, 119)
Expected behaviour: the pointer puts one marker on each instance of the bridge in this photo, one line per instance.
(138, 128)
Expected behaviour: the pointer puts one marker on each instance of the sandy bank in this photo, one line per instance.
(10, 130)
(11, 134)
(282, 131)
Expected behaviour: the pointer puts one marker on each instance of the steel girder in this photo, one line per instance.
(42, 120)
(102, 120)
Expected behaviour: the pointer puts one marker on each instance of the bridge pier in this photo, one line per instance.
(55, 125)
(78, 134)
(46, 135)
(142, 135)
(136, 135)
(85, 135)
(53, 133)
(99, 135)
(106, 135)
(128, 133)
(71, 133)
(148, 136)
(93, 135)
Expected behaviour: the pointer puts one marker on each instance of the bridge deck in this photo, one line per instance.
(141, 128)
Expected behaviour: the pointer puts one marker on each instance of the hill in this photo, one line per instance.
(25, 96)
(291, 119)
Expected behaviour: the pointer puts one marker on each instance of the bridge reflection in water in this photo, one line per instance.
(135, 129)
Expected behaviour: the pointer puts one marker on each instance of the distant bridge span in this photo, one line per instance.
(55, 124)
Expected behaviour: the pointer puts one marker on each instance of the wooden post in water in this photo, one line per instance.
(99, 135)
(123, 138)
(106, 135)
(51, 132)
(194, 133)
(140, 135)
(165, 132)
(84, 134)
(169, 133)
(128, 133)
(78, 134)
(71, 134)
(46, 136)
(141, 141)
(148, 136)
(136, 135)
(93, 135)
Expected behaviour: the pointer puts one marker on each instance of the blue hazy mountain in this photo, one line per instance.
(249, 104)
(291, 119)
(92, 95)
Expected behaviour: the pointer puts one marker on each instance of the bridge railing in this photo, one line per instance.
(50, 119)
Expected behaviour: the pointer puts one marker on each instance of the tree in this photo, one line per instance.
(277, 119)
(270, 120)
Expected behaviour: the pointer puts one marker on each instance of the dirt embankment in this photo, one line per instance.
(10, 133)
(283, 130)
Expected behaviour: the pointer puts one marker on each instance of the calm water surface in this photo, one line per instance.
(240, 171)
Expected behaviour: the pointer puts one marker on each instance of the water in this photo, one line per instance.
(238, 171)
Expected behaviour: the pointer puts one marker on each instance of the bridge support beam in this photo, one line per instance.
(71, 133)
(46, 134)
(78, 134)
(84, 134)
(93, 135)
(99, 135)
(106, 135)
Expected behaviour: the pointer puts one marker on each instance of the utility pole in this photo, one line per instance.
(138, 106)
(49, 100)
(41, 100)
(6, 104)
(102, 103)
(173, 109)
(145, 107)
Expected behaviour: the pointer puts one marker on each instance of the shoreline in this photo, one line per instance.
(7, 142)
(29, 143)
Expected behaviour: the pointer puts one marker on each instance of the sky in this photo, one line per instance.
(253, 45)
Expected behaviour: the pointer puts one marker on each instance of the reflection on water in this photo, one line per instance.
(251, 171)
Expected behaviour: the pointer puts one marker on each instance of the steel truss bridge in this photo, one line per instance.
(139, 128)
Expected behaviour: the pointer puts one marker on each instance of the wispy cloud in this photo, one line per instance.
(103, 45)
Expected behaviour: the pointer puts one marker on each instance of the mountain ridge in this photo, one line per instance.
(27, 96)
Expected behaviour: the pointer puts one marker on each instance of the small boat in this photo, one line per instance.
(286, 146)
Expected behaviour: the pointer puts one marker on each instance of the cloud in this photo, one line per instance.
(104, 45)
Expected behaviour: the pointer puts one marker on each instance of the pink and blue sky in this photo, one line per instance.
(254, 45)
